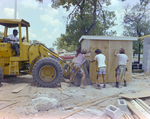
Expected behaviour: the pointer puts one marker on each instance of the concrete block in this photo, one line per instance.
(122, 105)
(113, 112)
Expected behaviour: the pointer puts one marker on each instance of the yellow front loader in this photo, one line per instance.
(45, 65)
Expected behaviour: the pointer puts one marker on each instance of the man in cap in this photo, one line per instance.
(13, 39)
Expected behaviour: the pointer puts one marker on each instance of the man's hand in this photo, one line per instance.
(115, 53)
(89, 51)
(23, 38)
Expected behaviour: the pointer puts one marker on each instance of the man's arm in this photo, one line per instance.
(87, 54)
(76, 54)
(91, 60)
(127, 59)
(10, 39)
(23, 39)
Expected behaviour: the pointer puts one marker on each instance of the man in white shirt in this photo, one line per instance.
(13, 39)
(122, 60)
(100, 58)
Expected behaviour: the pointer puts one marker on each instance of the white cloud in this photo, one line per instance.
(44, 30)
(51, 10)
(32, 36)
(8, 12)
(50, 20)
(55, 31)
(48, 37)
(41, 8)
(30, 3)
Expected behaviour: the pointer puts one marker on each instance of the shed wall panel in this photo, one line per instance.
(113, 61)
(108, 47)
(104, 46)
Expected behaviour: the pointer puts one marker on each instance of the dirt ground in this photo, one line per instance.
(21, 105)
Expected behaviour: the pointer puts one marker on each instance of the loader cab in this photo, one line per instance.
(8, 26)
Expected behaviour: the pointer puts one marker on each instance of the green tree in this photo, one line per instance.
(35, 41)
(1, 35)
(89, 17)
(51, 49)
(144, 2)
(137, 23)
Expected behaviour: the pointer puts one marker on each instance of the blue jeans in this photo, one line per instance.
(15, 46)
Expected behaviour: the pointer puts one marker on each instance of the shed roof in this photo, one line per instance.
(85, 37)
(14, 22)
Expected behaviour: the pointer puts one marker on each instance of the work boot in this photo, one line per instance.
(98, 87)
(104, 86)
(117, 85)
(125, 84)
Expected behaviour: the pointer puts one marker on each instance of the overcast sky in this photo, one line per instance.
(46, 24)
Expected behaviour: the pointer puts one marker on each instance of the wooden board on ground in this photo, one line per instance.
(141, 94)
(80, 109)
(19, 88)
(142, 111)
(135, 110)
(64, 85)
(10, 104)
(33, 90)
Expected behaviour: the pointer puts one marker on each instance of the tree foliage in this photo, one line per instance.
(52, 49)
(137, 23)
(1, 35)
(144, 2)
(35, 41)
(88, 17)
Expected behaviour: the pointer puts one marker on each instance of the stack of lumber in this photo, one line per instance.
(126, 116)
(139, 108)
(141, 94)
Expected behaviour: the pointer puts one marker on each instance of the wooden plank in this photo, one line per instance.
(107, 117)
(19, 88)
(136, 77)
(135, 117)
(126, 116)
(135, 110)
(131, 117)
(141, 94)
(135, 104)
(80, 109)
(33, 90)
(60, 89)
(143, 105)
(64, 85)
(9, 105)
(71, 107)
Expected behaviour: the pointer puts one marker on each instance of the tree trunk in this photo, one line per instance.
(94, 18)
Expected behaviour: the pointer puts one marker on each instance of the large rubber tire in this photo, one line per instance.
(1, 74)
(47, 72)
